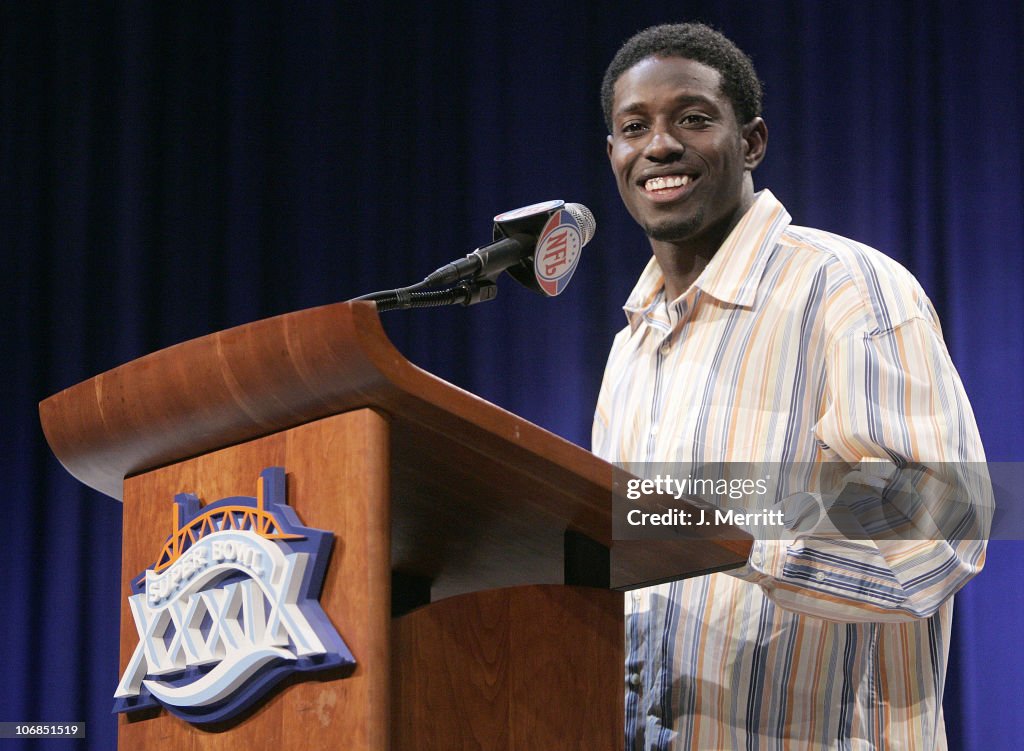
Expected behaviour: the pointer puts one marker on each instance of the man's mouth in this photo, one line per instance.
(666, 183)
(667, 188)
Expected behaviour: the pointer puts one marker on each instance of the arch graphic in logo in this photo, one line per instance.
(230, 607)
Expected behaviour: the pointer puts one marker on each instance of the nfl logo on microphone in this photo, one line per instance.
(558, 252)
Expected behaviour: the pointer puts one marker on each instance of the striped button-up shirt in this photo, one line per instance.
(793, 346)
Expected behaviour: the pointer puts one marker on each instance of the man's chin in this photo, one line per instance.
(673, 230)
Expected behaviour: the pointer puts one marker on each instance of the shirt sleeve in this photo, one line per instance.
(901, 521)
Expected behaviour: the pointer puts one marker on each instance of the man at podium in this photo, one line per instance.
(751, 339)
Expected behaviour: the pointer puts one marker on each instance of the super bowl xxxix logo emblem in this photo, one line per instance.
(230, 607)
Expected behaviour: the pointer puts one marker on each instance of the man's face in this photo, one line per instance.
(679, 156)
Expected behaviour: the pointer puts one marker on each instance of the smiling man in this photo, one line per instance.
(750, 339)
(682, 159)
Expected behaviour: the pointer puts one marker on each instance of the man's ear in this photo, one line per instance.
(755, 139)
(609, 146)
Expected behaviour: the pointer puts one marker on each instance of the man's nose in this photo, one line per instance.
(663, 146)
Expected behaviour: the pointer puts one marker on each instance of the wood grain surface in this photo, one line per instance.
(513, 669)
(337, 480)
(481, 498)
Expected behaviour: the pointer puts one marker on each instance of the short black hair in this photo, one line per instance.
(697, 42)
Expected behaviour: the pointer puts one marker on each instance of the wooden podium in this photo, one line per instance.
(473, 575)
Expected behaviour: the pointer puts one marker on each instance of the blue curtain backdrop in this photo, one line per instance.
(171, 169)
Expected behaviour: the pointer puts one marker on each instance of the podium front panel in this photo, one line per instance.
(337, 480)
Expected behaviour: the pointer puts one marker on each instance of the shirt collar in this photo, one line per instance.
(733, 273)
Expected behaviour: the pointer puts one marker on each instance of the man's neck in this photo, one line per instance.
(683, 261)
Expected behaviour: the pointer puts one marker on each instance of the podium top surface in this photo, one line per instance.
(257, 379)
(270, 375)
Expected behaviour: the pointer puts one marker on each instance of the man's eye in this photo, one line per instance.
(633, 128)
(695, 120)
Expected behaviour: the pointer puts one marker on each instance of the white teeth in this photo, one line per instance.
(663, 183)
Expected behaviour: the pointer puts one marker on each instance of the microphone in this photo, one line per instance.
(539, 245)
